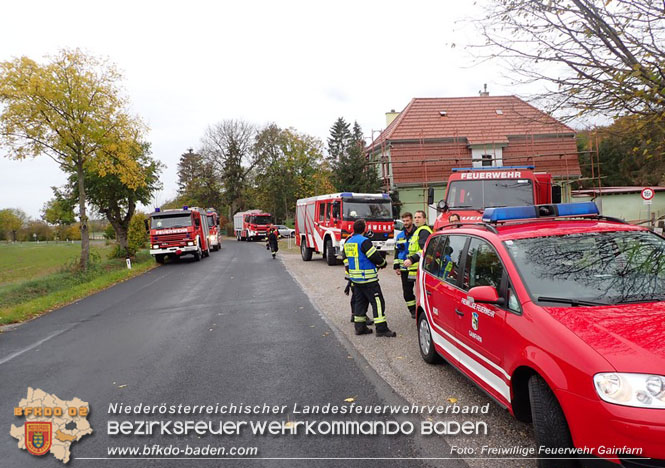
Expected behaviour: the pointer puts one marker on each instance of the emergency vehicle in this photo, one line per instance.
(251, 225)
(176, 232)
(472, 189)
(324, 222)
(558, 314)
(214, 235)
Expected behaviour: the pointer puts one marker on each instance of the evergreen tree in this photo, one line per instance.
(351, 173)
(340, 139)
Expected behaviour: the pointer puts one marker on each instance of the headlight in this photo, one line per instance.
(639, 390)
(156, 246)
(190, 243)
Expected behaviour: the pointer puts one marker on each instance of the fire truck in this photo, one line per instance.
(214, 236)
(324, 222)
(472, 189)
(176, 232)
(251, 225)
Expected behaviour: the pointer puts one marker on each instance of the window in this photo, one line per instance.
(432, 260)
(322, 211)
(486, 160)
(327, 211)
(451, 254)
(483, 266)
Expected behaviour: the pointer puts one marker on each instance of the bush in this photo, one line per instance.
(137, 237)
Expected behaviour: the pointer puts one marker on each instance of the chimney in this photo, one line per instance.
(390, 116)
(484, 92)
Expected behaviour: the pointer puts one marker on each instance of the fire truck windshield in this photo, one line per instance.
(372, 210)
(171, 221)
(260, 220)
(211, 220)
(481, 194)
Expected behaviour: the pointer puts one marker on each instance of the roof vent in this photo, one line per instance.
(443, 113)
(484, 92)
(499, 112)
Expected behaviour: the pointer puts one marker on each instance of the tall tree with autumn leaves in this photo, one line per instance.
(70, 109)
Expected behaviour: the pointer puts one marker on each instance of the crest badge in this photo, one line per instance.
(38, 437)
(474, 320)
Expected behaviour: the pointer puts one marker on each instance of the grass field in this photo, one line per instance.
(36, 278)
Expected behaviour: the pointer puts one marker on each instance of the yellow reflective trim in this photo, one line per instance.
(411, 303)
(371, 251)
(362, 319)
(380, 319)
(351, 249)
(379, 310)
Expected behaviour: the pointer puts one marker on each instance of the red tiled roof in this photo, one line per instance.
(472, 118)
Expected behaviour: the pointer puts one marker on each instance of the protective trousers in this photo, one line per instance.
(407, 290)
(369, 294)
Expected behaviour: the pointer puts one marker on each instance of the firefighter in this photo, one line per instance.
(362, 260)
(271, 241)
(415, 249)
(401, 254)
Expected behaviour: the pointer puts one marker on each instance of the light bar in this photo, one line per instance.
(157, 210)
(185, 207)
(385, 195)
(492, 168)
(494, 215)
(346, 194)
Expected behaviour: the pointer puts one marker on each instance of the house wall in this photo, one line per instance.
(627, 206)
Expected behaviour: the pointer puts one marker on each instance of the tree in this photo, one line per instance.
(59, 210)
(11, 221)
(351, 173)
(71, 110)
(340, 139)
(595, 57)
(117, 201)
(137, 235)
(198, 183)
(227, 146)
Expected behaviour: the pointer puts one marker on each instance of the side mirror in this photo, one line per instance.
(486, 295)
(197, 222)
(430, 196)
(147, 225)
(556, 194)
(442, 206)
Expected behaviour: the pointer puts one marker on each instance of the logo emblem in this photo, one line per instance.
(474, 320)
(369, 234)
(38, 437)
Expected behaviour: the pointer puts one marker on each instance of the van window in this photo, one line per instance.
(432, 260)
(483, 266)
(451, 254)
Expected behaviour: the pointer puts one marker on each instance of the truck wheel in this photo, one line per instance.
(159, 259)
(427, 350)
(305, 252)
(549, 423)
(238, 236)
(197, 254)
(330, 253)
(206, 252)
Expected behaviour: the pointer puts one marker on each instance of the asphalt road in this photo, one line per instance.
(233, 328)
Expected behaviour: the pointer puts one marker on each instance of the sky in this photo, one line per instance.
(299, 64)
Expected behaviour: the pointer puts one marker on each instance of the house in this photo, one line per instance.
(626, 203)
(421, 144)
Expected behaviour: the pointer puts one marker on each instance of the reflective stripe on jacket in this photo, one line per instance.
(415, 249)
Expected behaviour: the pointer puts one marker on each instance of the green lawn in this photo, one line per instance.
(30, 260)
(37, 278)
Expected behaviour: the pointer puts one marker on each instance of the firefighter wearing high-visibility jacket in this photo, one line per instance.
(415, 250)
(362, 260)
(402, 253)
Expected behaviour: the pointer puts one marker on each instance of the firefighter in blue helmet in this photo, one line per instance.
(361, 259)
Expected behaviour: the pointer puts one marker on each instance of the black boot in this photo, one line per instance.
(386, 332)
(369, 321)
(363, 331)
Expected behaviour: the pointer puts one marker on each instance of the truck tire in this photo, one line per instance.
(206, 252)
(159, 259)
(330, 253)
(238, 236)
(549, 423)
(198, 254)
(426, 345)
(305, 252)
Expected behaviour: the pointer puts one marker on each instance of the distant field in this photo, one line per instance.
(29, 260)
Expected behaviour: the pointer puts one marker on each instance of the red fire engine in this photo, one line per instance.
(472, 189)
(179, 232)
(324, 222)
(214, 236)
(251, 225)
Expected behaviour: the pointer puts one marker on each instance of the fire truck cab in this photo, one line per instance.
(251, 225)
(214, 236)
(472, 189)
(324, 222)
(177, 232)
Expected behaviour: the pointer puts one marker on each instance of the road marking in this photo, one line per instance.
(33, 346)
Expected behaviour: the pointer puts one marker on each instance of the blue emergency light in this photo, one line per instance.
(185, 207)
(509, 213)
(492, 168)
(157, 210)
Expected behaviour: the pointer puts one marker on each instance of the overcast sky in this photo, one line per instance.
(188, 65)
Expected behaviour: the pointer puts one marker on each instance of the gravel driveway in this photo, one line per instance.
(398, 362)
